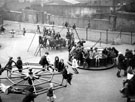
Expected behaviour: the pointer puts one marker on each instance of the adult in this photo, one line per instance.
(44, 61)
(19, 64)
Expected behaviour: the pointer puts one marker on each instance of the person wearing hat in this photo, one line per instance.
(44, 61)
(50, 94)
(19, 64)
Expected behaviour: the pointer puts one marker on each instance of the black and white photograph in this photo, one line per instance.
(67, 50)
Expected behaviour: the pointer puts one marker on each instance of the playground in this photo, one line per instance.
(94, 86)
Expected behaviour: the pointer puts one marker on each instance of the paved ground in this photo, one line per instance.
(88, 86)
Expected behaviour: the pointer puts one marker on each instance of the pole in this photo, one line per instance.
(86, 33)
(131, 37)
(114, 14)
(107, 36)
(31, 42)
(100, 38)
(77, 34)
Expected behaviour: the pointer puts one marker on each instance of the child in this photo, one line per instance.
(67, 76)
(50, 94)
(44, 61)
(24, 31)
(8, 66)
(61, 65)
(75, 65)
(19, 64)
(56, 63)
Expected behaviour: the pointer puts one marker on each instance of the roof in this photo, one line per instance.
(62, 2)
(72, 1)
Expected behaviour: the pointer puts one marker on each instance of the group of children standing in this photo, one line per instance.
(9, 65)
(59, 65)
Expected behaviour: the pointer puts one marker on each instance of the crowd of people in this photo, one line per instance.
(51, 32)
(94, 57)
(59, 66)
(126, 63)
(52, 39)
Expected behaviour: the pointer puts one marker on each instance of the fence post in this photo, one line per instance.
(120, 33)
(107, 36)
(131, 37)
(87, 30)
(100, 38)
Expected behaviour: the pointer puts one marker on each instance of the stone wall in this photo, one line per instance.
(125, 22)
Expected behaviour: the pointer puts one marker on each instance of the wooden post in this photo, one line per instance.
(100, 38)
(107, 36)
(86, 33)
(87, 29)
